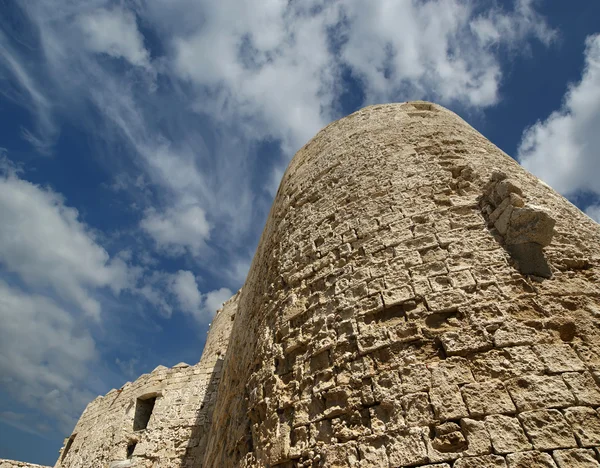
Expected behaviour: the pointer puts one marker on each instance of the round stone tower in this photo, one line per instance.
(416, 298)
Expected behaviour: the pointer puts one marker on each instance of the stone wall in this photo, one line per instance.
(416, 298)
(17, 464)
(111, 432)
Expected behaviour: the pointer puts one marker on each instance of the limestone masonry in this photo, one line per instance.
(417, 299)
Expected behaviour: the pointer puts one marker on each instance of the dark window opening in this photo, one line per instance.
(68, 446)
(130, 449)
(143, 411)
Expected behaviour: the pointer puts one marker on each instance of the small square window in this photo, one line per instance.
(143, 411)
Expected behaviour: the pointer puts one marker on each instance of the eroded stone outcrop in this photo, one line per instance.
(524, 229)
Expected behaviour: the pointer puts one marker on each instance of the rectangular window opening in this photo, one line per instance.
(130, 449)
(68, 446)
(143, 411)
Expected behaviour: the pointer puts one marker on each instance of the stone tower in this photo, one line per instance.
(416, 298)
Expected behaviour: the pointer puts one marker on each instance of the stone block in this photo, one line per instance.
(417, 409)
(506, 363)
(397, 296)
(448, 443)
(372, 453)
(559, 358)
(447, 402)
(487, 398)
(515, 334)
(586, 425)
(547, 429)
(533, 459)
(477, 436)
(529, 224)
(584, 387)
(340, 456)
(575, 458)
(486, 461)
(407, 447)
(534, 392)
(465, 341)
(454, 371)
(415, 378)
(445, 301)
(589, 353)
(462, 279)
(506, 434)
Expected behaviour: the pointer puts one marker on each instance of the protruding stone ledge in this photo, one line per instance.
(525, 229)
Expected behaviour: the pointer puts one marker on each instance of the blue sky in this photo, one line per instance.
(141, 144)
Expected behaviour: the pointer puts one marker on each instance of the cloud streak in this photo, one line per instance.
(563, 149)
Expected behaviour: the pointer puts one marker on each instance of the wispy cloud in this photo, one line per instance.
(563, 149)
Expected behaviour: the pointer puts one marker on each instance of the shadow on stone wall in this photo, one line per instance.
(194, 452)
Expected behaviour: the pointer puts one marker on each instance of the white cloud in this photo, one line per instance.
(593, 211)
(213, 300)
(563, 149)
(28, 92)
(184, 287)
(202, 306)
(44, 354)
(179, 228)
(114, 32)
(43, 241)
(285, 78)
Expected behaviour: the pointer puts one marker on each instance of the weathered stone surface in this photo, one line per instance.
(531, 459)
(487, 398)
(547, 429)
(583, 387)
(487, 461)
(506, 434)
(575, 458)
(534, 392)
(586, 425)
(559, 358)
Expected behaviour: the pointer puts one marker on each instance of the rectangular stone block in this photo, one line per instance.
(487, 461)
(506, 434)
(445, 301)
(534, 392)
(506, 363)
(415, 378)
(586, 425)
(487, 398)
(454, 371)
(407, 447)
(447, 402)
(575, 458)
(584, 387)
(547, 429)
(559, 358)
(465, 341)
(477, 437)
(417, 409)
(533, 459)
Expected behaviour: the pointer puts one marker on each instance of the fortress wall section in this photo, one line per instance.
(416, 298)
(160, 420)
(17, 464)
